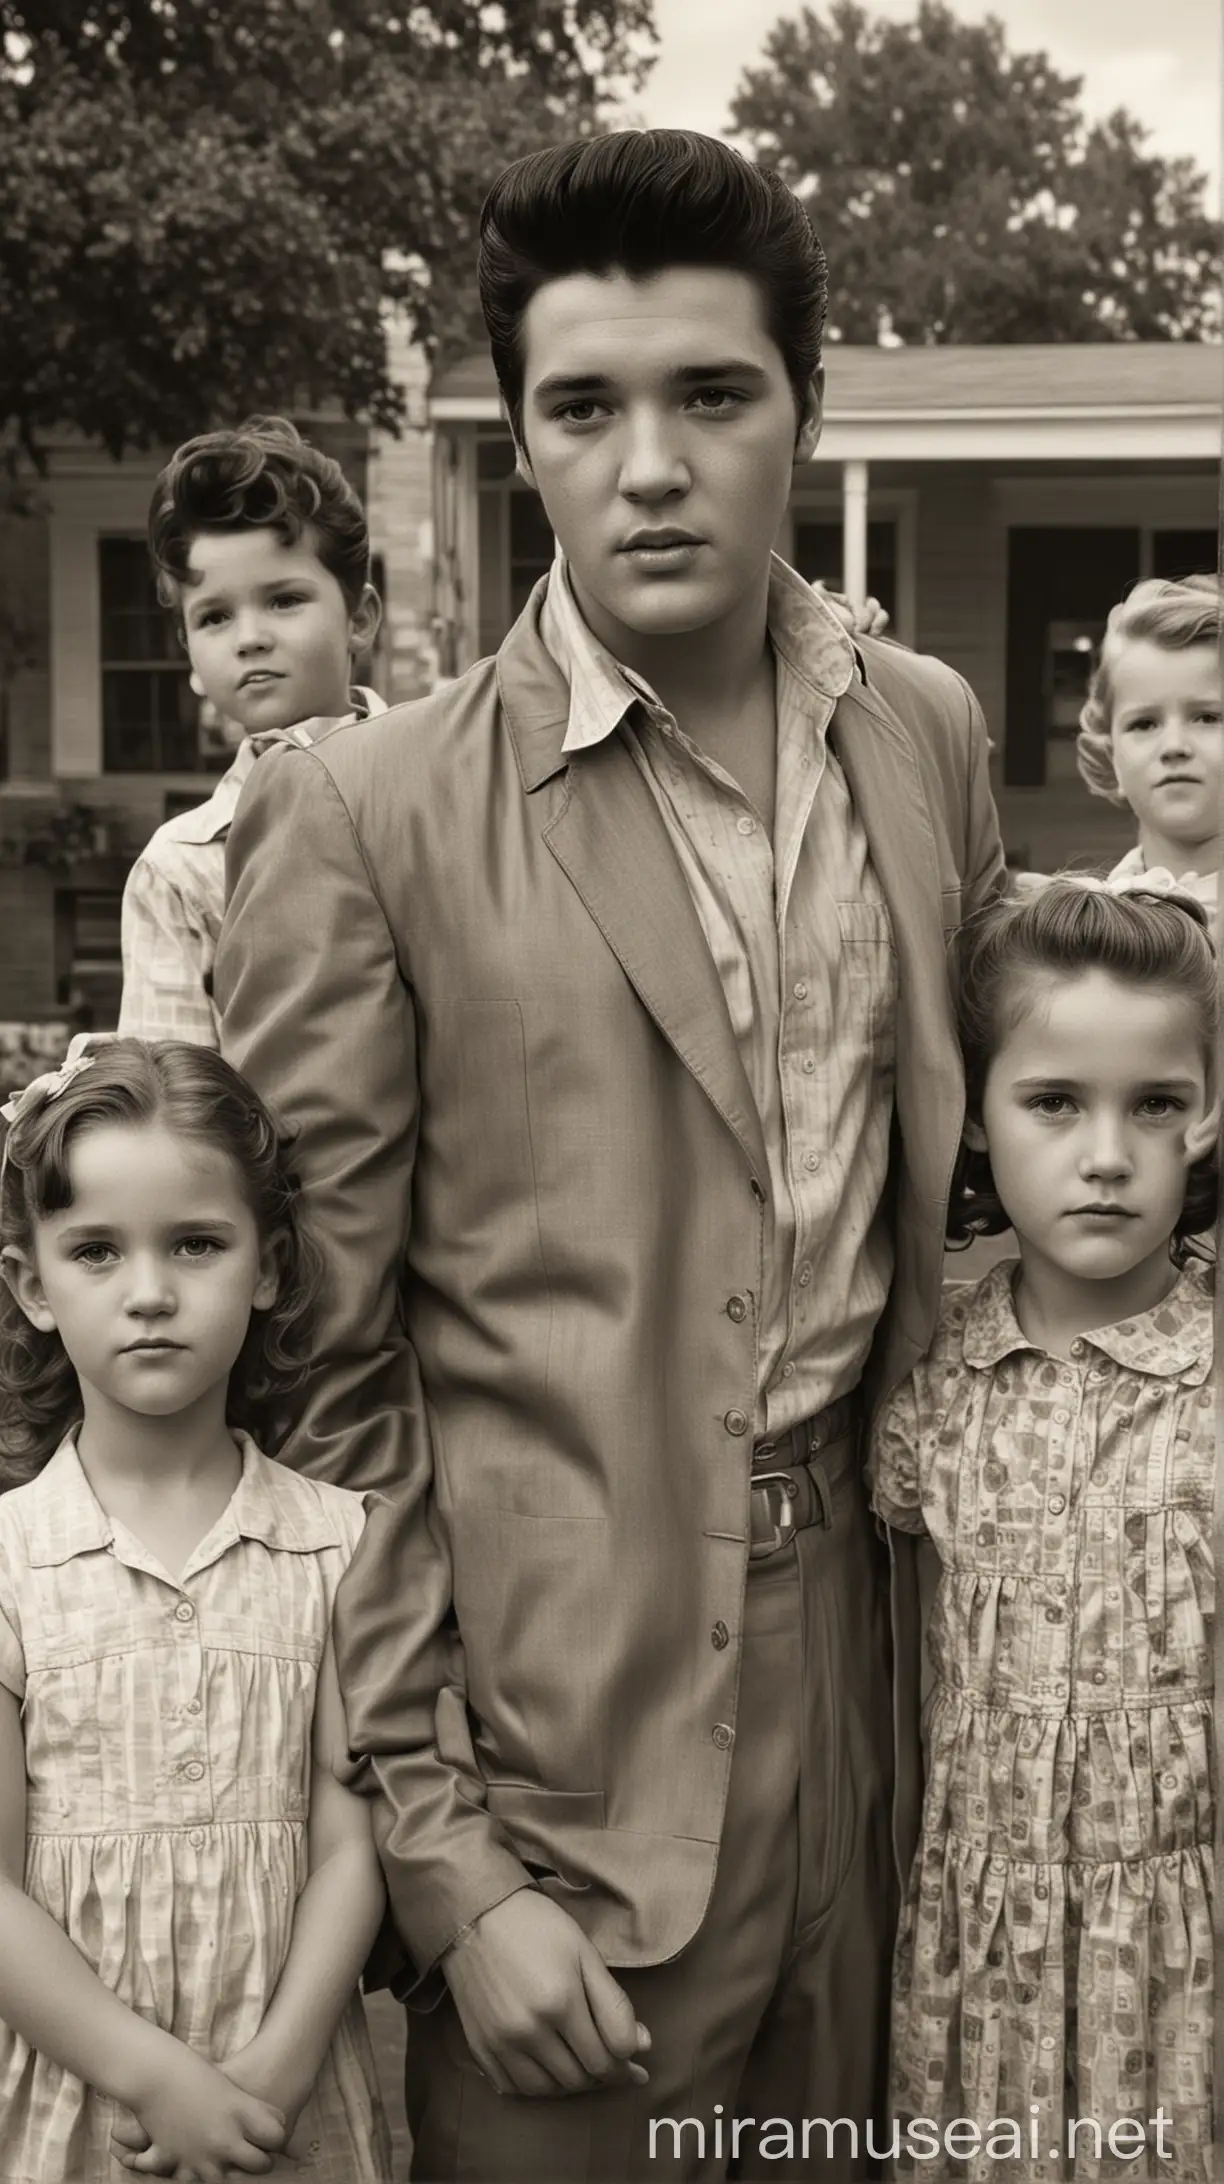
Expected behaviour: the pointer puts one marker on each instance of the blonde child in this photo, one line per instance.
(187, 1891)
(262, 555)
(1054, 1963)
(1150, 734)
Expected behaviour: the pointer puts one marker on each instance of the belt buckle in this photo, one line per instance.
(783, 1523)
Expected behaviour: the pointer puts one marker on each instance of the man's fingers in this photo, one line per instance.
(528, 2078)
(610, 2007)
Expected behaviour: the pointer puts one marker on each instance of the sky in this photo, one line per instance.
(1161, 58)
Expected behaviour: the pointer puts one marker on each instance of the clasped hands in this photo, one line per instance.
(201, 2122)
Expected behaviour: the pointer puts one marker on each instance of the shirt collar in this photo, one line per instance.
(803, 628)
(206, 822)
(1174, 1339)
(269, 1503)
(1203, 885)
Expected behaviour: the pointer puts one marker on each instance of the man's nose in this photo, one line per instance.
(653, 466)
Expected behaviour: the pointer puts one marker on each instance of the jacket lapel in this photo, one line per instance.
(610, 840)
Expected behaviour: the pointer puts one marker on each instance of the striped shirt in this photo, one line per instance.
(800, 933)
(173, 905)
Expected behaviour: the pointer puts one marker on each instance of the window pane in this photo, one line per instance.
(150, 717)
(818, 555)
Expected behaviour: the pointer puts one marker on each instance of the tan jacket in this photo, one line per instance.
(470, 970)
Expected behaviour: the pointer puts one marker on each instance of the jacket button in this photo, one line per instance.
(736, 1421)
(758, 1192)
(719, 1636)
(737, 1308)
(724, 1736)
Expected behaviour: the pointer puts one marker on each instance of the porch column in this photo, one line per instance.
(854, 531)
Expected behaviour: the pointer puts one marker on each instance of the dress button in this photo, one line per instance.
(1098, 1675)
(193, 1770)
(719, 1636)
(737, 1309)
(184, 1613)
(736, 1422)
(193, 1706)
(799, 989)
(724, 1736)
(1056, 1504)
(1062, 1417)
(1077, 1348)
(196, 1838)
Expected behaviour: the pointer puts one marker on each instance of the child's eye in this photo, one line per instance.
(199, 1247)
(289, 599)
(1051, 1103)
(210, 618)
(1158, 1105)
(1145, 720)
(94, 1254)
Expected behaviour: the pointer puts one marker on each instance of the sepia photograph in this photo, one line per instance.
(611, 805)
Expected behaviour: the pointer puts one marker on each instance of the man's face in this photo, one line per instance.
(659, 428)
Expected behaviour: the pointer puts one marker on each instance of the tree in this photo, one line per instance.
(206, 206)
(961, 194)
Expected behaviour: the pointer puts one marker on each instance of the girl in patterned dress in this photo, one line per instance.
(187, 1887)
(1054, 1962)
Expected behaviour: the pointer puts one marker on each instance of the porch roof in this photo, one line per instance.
(1149, 400)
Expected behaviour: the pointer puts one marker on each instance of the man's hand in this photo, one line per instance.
(191, 2121)
(869, 620)
(540, 2010)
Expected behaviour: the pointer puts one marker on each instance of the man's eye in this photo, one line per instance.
(577, 413)
(718, 400)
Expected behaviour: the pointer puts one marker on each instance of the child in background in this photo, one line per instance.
(187, 1890)
(1057, 1445)
(1150, 733)
(263, 554)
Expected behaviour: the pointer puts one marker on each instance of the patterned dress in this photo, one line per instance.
(168, 1752)
(1055, 1954)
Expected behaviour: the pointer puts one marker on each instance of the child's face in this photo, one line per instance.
(151, 1274)
(269, 632)
(1094, 1107)
(1167, 744)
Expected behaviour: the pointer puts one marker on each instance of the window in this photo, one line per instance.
(88, 956)
(151, 720)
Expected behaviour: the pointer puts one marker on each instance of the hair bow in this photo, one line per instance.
(1159, 881)
(51, 1083)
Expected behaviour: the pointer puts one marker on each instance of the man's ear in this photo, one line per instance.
(364, 621)
(974, 1135)
(811, 422)
(1203, 1136)
(23, 1280)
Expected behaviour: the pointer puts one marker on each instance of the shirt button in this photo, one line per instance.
(799, 989)
(719, 1636)
(788, 1370)
(737, 1309)
(811, 1162)
(745, 825)
(184, 1613)
(193, 1770)
(809, 1066)
(1056, 1504)
(1098, 1675)
(724, 1736)
(805, 1276)
(736, 1422)
(193, 1706)
(1077, 1348)
(1062, 1417)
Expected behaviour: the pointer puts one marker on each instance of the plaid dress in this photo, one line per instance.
(168, 1750)
(1055, 1952)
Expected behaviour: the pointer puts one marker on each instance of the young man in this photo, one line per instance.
(622, 1050)
(262, 554)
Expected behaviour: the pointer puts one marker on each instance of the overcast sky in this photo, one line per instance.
(1160, 58)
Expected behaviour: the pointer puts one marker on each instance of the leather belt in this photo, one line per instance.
(792, 1475)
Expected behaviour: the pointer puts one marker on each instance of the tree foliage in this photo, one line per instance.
(962, 195)
(206, 206)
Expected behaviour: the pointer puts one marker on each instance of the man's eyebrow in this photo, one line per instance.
(573, 385)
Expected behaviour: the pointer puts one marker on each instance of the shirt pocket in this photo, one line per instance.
(868, 986)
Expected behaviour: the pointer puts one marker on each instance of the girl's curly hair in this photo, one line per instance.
(197, 1095)
(1066, 927)
(1165, 613)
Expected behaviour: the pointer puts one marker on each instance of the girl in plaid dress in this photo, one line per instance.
(188, 1889)
(1053, 1991)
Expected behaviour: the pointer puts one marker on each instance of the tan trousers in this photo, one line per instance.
(778, 2007)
